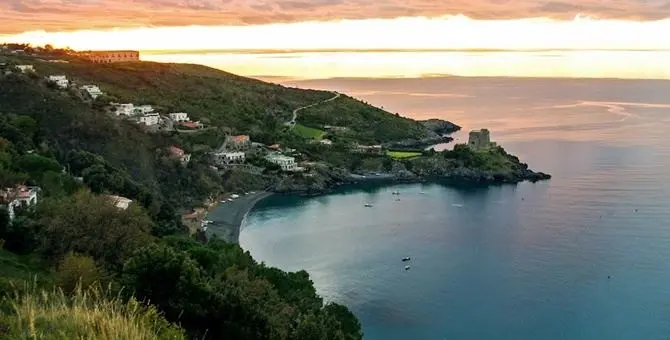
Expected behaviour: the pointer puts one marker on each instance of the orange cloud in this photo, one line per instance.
(57, 15)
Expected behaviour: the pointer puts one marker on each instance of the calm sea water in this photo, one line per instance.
(585, 255)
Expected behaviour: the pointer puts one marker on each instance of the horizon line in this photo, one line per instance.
(389, 50)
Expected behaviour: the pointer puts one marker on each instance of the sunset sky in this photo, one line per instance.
(338, 24)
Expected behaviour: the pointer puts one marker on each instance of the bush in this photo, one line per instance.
(77, 270)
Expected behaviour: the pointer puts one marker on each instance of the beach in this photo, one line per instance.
(227, 217)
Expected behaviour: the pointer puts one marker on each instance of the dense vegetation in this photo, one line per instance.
(367, 124)
(75, 239)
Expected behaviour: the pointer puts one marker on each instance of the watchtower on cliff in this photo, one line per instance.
(480, 139)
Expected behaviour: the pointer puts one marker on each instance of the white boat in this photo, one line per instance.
(235, 196)
(224, 201)
(368, 205)
(423, 193)
(230, 200)
(408, 267)
(405, 259)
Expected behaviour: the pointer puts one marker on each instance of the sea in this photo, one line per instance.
(585, 255)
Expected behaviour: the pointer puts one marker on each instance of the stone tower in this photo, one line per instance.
(480, 139)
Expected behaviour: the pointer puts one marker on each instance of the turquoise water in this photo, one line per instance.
(585, 255)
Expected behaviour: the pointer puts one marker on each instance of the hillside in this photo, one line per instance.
(221, 99)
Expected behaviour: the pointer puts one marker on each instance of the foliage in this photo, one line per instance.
(366, 123)
(63, 142)
(90, 225)
(308, 132)
(494, 159)
(87, 314)
(219, 288)
(17, 269)
(76, 270)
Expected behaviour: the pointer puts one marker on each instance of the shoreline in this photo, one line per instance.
(229, 216)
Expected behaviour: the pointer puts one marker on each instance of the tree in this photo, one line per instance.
(77, 270)
(89, 224)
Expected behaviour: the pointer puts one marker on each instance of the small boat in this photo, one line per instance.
(235, 196)
(396, 192)
(408, 267)
(422, 193)
(405, 259)
(224, 201)
(368, 205)
(230, 200)
(208, 222)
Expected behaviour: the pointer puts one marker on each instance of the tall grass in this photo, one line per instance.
(86, 314)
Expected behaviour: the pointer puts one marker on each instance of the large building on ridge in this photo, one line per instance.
(106, 57)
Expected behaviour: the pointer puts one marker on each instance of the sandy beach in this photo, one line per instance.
(228, 216)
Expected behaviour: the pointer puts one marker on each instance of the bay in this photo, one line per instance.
(582, 256)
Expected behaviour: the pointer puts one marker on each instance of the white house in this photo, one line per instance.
(150, 119)
(92, 90)
(230, 157)
(120, 202)
(326, 142)
(179, 117)
(61, 81)
(286, 163)
(26, 68)
(123, 109)
(143, 109)
(20, 196)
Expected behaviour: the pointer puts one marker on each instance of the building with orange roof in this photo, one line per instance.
(180, 154)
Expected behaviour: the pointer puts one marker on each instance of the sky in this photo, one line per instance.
(337, 24)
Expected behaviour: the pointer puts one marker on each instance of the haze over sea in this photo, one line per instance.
(585, 255)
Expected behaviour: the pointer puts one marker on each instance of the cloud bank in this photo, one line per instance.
(59, 15)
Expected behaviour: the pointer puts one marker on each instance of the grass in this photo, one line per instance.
(308, 132)
(403, 154)
(87, 314)
(16, 269)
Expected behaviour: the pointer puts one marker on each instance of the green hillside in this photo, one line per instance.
(222, 99)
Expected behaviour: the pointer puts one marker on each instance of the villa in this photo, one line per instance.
(106, 57)
(92, 90)
(286, 163)
(179, 117)
(123, 109)
(18, 197)
(230, 157)
(143, 109)
(150, 119)
(60, 81)
(239, 142)
(180, 154)
(120, 202)
(25, 68)
(373, 149)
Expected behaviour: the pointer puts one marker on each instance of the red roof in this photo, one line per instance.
(240, 138)
(175, 151)
(191, 125)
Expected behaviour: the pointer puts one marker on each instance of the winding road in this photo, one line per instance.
(295, 112)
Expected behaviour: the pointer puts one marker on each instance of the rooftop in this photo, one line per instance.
(175, 151)
(240, 138)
